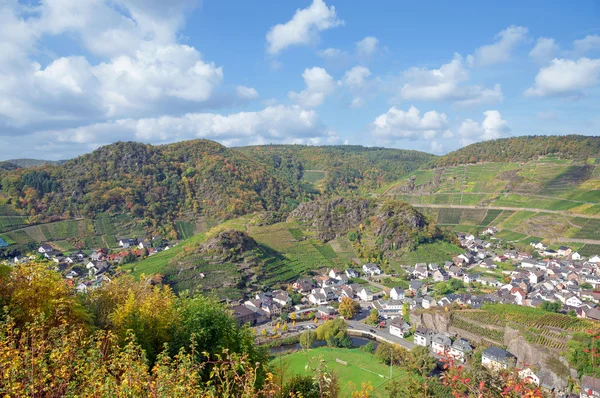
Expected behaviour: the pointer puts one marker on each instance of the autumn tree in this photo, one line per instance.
(348, 308)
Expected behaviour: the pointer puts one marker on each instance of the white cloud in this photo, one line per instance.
(492, 127)
(276, 124)
(445, 83)
(247, 93)
(587, 44)
(398, 124)
(366, 47)
(142, 69)
(303, 28)
(567, 78)
(356, 81)
(332, 54)
(545, 49)
(356, 76)
(319, 84)
(501, 50)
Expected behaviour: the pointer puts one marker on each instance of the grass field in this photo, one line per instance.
(362, 367)
(185, 229)
(437, 252)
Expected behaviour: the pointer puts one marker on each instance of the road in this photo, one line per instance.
(379, 334)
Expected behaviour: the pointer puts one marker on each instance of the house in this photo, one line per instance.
(428, 302)
(590, 313)
(126, 243)
(282, 299)
(564, 251)
(469, 278)
(365, 294)
(440, 344)
(423, 336)
(594, 259)
(45, 248)
(371, 269)
(455, 272)
(590, 387)
(346, 291)
(397, 293)
(467, 258)
(389, 308)
(529, 376)
(334, 273)
(420, 271)
(538, 245)
(573, 301)
(496, 358)
(575, 256)
(244, 315)
(399, 328)
(350, 273)
(145, 244)
(550, 253)
(303, 285)
(96, 267)
(536, 277)
(440, 275)
(414, 285)
(489, 281)
(489, 231)
(460, 350)
(317, 298)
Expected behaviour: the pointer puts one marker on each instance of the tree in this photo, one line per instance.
(420, 361)
(332, 331)
(307, 338)
(406, 312)
(301, 386)
(373, 317)
(264, 332)
(293, 316)
(348, 308)
(551, 306)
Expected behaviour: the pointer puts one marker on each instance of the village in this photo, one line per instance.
(485, 273)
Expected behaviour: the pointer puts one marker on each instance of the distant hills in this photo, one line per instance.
(178, 189)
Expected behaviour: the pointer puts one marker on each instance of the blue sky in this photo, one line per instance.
(432, 76)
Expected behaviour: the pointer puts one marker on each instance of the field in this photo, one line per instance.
(362, 367)
(437, 252)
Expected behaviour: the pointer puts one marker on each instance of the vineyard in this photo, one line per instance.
(491, 334)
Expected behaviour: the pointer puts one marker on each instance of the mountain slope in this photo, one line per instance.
(342, 168)
(156, 184)
(523, 149)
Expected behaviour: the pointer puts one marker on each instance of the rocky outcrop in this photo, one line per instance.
(391, 225)
(435, 320)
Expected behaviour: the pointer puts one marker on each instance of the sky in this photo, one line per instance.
(430, 75)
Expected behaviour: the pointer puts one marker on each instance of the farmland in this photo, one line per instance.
(437, 252)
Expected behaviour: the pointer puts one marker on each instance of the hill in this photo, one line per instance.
(339, 168)
(530, 187)
(526, 148)
(156, 185)
(26, 162)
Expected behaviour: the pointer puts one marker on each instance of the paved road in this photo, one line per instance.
(379, 333)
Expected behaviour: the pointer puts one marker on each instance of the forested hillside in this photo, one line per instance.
(156, 184)
(522, 149)
(341, 168)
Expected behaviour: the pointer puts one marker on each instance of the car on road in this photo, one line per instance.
(372, 330)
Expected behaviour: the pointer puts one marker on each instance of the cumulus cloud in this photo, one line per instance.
(586, 45)
(545, 49)
(273, 124)
(319, 84)
(247, 93)
(566, 78)
(492, 127)
(399, 124)
(366, 47)
(445, 83)
(356, 81)
(303, 28)
(501, 50)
